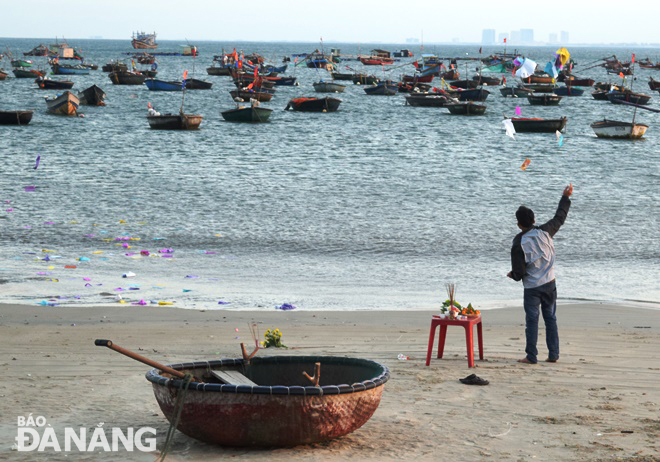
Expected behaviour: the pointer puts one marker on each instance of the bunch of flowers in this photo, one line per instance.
(273, 338)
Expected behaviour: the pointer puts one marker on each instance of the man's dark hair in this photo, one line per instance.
(525, 216)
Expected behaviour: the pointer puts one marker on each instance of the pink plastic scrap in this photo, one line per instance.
(29, 188)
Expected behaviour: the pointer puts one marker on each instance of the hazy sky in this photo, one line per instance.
(335, 20)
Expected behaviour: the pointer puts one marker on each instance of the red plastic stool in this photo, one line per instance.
(467, 324)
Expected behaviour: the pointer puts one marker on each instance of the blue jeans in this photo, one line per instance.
(544, 296)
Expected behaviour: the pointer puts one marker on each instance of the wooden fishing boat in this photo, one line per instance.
(69, 69)
(246, 95)
(540, 87)
(468, 108)
(149, 73)
(114, 66)
(475, 94)
(340, 76)
(629, 97)
(275, 69)
(466, 84)
(50, 84)
(539, 79)
(619, 130)
(64, 104)
(516, 92)
(306, 104)
(568, 90)
(28, 73)
(179, 121)
(538, 125)
(364, 79)
(3, 75)
(143, 41)
(575, 82)
(15, 117)
(284, 408)
(413, 87)
(328, 87)
(92, 96)
(544, 99)
(384, 87)
(194, 84)
(282, 81)
(218, 70)
(654, 84)
(247, 114)
(485, 80)
(375, 61)
(162, 85)
(418, 78)
(600, 95)
(127, 78)
(428, 100)
(451, 74)
(20, 63)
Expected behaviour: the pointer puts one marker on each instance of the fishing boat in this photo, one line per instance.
(179, 121)
(384, 87)
(246, 95)
(418, 78)
(575, 82)
(149, 73)
(49, 84)
(92, 96)
(544, 78)
(475, 94)
(540, 87)
(282, 81)
(194, 84)
(127, 78)
(64, 104)
(275, 69)
(654, 84)
(114, 66)
(162, 85)
(69, 69)
(568, 90)
(3, 75)
(20, 63)
(619, 130)
(317, 60)
(428, 100)
(364, 79)
(141, 41)
(15, 117)
(306, 104)
(403, 54)
(251, 114)
(489, 81)
(28, 73)
(465, 84)
(516, 92)
(375, 61)
(328, 87)
(629, 97)
(468, 108)
(39, 50)
(218, 70)
(340, 76)
(544, 99)
(413, 87)
(538, 125)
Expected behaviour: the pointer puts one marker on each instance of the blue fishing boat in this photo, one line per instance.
(385, 87)
(568, 90)
(161, 85)
(279, 70)
(68, 69)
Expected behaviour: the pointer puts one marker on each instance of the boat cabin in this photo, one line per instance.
(189, 50)
(380, 53)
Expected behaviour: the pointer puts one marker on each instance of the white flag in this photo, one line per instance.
(508, 126)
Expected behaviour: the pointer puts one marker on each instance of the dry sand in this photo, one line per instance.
(606, 381)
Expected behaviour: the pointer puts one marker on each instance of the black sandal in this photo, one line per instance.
(473, 379)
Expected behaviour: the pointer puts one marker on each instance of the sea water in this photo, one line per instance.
(376, 206)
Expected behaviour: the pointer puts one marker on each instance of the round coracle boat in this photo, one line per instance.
(272, 403)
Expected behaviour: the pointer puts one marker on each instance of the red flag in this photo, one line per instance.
(185, 75)
(240, 64)
(256, 72)
(633, 58)
(621, 75)
(504, 39)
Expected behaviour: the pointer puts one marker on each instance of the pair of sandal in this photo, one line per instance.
(473, 379)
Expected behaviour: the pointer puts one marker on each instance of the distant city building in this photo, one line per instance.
(564, 37)
(515, 36)
(501, 36)
(527, 35)
(552, 38)
(488, 37)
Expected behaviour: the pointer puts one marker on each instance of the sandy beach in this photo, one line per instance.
(601, 401)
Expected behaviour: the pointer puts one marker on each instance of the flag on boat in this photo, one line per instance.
(183, 82)
(560, 138)
(527, 68)
(510, 129)
(633, 58)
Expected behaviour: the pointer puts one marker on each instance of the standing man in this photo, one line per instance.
(533, 260)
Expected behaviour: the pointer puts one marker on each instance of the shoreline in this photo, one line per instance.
(605, 381)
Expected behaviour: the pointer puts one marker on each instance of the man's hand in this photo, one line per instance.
(568, 190)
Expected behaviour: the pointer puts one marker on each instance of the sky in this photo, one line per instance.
(388, 21)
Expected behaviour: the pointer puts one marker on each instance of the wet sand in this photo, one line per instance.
(606, 381)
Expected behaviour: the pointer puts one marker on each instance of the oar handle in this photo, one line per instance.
(137, 357)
